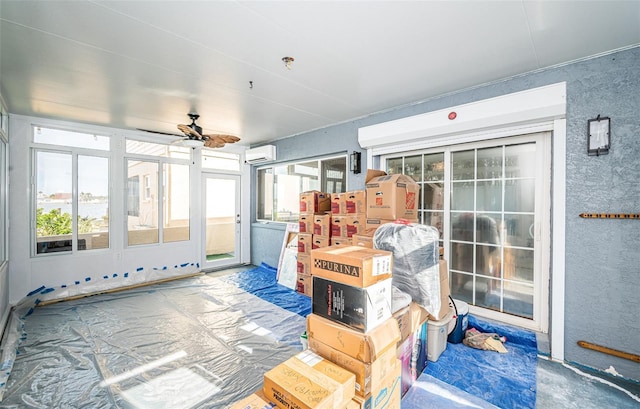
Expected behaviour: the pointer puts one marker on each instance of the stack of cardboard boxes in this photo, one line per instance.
(314, 232)
(351, 322)
(348, 216)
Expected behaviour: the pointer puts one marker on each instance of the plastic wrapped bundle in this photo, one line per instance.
(415, 261)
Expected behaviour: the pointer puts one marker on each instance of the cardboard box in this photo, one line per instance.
(313, 202)
(305, 222)
(305, 243)
(388, 396)
(340, 241)
(392, 197)
(338, 225)
(373, 224)
(365, 347)
(338, 203)
(369, 376)
(304, 284)
(320, 241)
(412, 353)
(356, 202)
(303, 263)
(352, 265)
(356, 223)
(445, 291)
(360, 308)
(363, 240)
(307, 380)
(409, 319)
(256, 400)
(322, 224)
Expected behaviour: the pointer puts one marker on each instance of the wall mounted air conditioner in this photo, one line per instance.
(260, 154)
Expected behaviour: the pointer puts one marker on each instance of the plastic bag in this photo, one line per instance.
(415, 261)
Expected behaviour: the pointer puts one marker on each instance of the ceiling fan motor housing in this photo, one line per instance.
(193, 125)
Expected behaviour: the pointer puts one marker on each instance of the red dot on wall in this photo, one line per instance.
(452, 115)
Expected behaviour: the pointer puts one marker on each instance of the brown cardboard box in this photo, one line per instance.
(313, 202)
(388, 396)
(392, 197)
(444, 292)
(365, 347)
(307, 380)
(339, 225)
(305, 222)
(373, 224)
(305, 243)
(356, 202)
(322, 224)
(304, 284)
(356, 223)
(361, 308)
(369, 376)
(320, 241)
(256, 400)
(338, 203)
(409, 319)
(352, 265)
(340, 241)
(303, 262)
(412, 353)
(364, 239)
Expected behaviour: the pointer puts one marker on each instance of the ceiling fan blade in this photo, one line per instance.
(189, 132)
(159, 132)
(209, 143)
(221, 138)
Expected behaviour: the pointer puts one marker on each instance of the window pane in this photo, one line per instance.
(434, 167)
(490, 163)
(68, 138)
(176, 203)
(394, 166)
(212, 159)
(142, 219)
(53, 202)
(157, 149)
(520, 161)
(334, 175)
(93, 202)
(265, 194)
(463, 165)
(433, 196)
(413, 167)
(489, 196)
(3, 199)
(519, 195)
(462, 195)
(519, 230)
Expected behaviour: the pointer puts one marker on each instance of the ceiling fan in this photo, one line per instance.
(193, 136)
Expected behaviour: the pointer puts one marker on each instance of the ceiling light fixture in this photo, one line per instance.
(193, 143)
(288, 61)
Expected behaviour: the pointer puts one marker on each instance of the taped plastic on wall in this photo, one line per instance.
(415, 260)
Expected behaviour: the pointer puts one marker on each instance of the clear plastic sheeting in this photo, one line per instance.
(415, 261)
(428, 392)
(198, 342)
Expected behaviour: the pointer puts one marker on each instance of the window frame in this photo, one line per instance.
(74, 152)
(4, 188)
(321, 180)
(161, 161)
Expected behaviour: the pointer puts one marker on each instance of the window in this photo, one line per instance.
(160, 212)
(71, 193)
(279, 187)
(3, 193)
(485, 199)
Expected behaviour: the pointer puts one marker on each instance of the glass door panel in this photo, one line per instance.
(222, 220)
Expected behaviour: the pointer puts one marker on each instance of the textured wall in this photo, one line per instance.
(602, 256)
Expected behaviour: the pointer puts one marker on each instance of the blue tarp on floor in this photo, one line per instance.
(506, 380)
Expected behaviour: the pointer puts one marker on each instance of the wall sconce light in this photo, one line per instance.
(355, 162)
(598, 136)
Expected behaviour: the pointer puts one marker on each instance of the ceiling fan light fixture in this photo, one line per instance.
(288, 61)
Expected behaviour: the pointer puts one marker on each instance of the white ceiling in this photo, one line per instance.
(145, 64)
